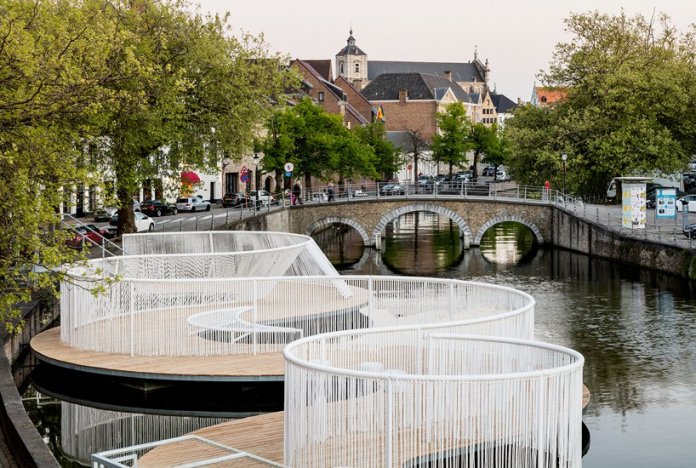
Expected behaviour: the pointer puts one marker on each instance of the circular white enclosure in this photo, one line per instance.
(411, 397)
(218, 316)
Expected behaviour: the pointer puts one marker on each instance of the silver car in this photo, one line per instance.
(192, 204)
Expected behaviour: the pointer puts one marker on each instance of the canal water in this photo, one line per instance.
(636, 329)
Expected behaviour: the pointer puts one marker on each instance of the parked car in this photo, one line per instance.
(105, 213)
(651, 195)
(392, 189)
(264, 198)
(689, 201)
(500, 174)
(320, 197)
(690, 231)
(87, 236)
(235, 199)
(359, 193)
(157, 208)
(488, 171)
(143, 223)
(192, 204)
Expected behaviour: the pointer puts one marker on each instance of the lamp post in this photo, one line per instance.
(256, 178)
(223, 189)
(564, 158)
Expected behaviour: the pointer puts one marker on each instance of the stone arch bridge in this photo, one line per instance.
(474, 217)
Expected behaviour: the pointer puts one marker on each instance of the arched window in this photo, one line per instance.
(341, 65)
(543, 99)
(357, 67)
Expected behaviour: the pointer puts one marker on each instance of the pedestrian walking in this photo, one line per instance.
(547, 188)
(330, 191)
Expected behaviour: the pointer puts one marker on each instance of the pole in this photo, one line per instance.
(564, 176)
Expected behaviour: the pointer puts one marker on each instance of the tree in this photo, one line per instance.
(316, 142)
(187, 93)
(52, 67)
(387, 158)
(415, 146)
(451, 145)
(483, 142)
(630, 88)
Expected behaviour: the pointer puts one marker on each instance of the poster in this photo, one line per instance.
(633, 204)
(666, 202)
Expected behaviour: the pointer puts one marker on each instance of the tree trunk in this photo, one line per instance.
(476, 158)
(415, 168)
(126, 218)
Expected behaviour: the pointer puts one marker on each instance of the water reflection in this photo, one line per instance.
(421, 243)
(635, 327)
(74, 432)
(341, 244)
(508, 243)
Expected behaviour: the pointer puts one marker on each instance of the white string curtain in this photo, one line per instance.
(409, 398)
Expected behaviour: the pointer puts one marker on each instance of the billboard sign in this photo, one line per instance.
(666, 202)
(633, 204)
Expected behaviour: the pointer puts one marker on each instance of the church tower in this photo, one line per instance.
(351, 63)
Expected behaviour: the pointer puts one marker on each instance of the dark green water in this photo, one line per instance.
(636, 329)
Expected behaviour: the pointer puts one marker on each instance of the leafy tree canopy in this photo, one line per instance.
(631, 89)
(388, 158)
(451, 144)
(316, 142)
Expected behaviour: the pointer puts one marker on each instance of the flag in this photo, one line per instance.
(380, 113)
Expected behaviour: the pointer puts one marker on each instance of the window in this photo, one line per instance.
(341, 65)
(357, 67)
(321, 96)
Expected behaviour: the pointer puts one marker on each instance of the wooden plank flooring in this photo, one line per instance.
(259, 435)
(267, 366)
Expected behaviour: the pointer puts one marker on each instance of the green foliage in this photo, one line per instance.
(451, 144)
(123, 89)
(316, 142)
(631, 90)
(485, 141)
(388, 159)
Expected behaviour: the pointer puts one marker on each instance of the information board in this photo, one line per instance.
(633, 213)
(666, 202)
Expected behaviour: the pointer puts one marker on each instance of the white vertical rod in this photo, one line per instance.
(132, 320)
(369, 299)
(390, 415)
(451, 299)
(256, 306)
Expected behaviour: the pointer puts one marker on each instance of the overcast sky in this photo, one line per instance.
(517, 37)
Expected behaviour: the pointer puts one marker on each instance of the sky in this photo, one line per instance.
(517, 37)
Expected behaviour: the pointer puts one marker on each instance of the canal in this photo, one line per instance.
(636, 329)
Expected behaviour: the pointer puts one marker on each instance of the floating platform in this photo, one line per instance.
(264, 367)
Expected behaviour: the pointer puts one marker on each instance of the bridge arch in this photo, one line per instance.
(430, 207)
(341, 220)
(508, 218)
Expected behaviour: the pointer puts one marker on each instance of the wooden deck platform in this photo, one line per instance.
(259, 435)
(238, 368)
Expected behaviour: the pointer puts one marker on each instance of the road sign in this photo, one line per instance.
(288, 174)
(244, 170)
(289, 167)
(244, 177)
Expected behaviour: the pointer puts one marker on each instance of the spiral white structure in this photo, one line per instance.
(411, 397)
(220, 316)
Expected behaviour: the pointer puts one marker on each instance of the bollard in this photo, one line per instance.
(180, 222)
(227, 216)
(196, 223)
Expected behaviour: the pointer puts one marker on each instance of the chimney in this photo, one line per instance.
(448, 75)
(403, 95)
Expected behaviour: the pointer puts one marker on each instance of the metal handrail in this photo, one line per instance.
(104, 239)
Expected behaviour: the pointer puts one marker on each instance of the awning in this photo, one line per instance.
(190, 177)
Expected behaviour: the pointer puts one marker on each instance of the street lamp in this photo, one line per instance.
(564, 158)
(223, 188)
(256, 178)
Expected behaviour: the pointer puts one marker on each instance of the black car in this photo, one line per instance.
(157, 208)
(392, 189)
(690, 231)
(235, 199)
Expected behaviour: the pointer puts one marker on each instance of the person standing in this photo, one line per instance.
(547, 188)
(330, 191)
(296, 194)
